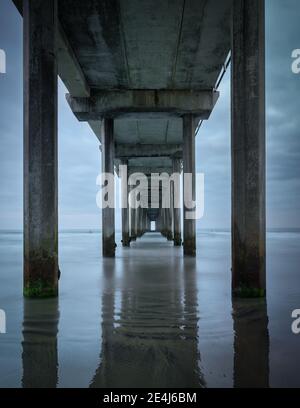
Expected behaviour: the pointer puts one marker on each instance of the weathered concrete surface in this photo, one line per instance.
(108, 214)
(135, 45)
(40, 150)
(180, 44)
(126, 150)
(133, 224)
(248, 149)
(189, 167)
(138, 103)
(176, 205)
(125, 210)
(169, 224)
(150, 170)
(69, 69)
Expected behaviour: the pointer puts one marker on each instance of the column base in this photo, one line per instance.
(177, 240)
(248, 292)
(39, 290)
(126, 241)
(189, 247)
(109, 247)
(169, 236)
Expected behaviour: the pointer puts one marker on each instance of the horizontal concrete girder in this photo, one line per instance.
(149, 170)
(146, 150)
(140, 103)
(69, 69)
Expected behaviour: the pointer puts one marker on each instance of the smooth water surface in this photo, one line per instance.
(150, 318)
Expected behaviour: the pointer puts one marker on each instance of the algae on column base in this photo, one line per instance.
(177, 239)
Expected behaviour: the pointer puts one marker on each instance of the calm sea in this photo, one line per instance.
(150, 318)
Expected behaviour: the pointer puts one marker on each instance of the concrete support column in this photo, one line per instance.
(40, 149)
(189, 167)
(108, 214)
(169, 222)
(132, 215)
(133, 224)
(144, 219)
(170, 211)
(163, 222)
(176, 205)
(142, 214)
(248, 149)
(138, 222)
(158, 224)
(125, 211)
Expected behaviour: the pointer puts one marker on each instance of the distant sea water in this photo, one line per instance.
(150, 318)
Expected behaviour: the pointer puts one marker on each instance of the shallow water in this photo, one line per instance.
(150, 318)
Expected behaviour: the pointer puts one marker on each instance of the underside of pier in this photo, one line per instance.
(144, 75)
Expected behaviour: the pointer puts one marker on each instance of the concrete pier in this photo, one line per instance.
(143, 107)
(189, 167)
(248, 149)
(108, 214)
(40, 149)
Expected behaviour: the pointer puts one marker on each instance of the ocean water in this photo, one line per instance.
(150, 318)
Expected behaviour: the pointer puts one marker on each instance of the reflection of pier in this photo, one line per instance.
(149, 332)
(251, 343)
(40, 356)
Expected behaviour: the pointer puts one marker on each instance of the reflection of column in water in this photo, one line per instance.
(191, 350)
(101, 376)
(251, 343)
(39, 357)
(153, 341)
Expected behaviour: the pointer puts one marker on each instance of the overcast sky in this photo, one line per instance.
(79, 156)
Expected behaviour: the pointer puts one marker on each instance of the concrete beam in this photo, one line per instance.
(96, 126)
(140, 103)
(149, 170)
(146, 150)
(69, 69)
